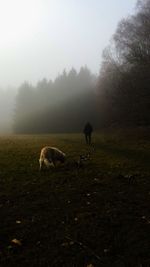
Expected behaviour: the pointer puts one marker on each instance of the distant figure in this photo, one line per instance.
(88, 129)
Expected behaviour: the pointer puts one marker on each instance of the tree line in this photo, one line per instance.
(119, 96)
(124, 80)
(63, 105)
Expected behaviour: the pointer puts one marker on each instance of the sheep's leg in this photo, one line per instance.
(54, 163)
(47, 163)
(41, 164)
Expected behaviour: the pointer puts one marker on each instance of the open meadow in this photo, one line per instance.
(95, 215)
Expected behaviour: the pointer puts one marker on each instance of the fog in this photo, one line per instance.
(39, 39)
(7, 106)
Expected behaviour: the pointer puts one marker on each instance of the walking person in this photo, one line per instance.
(88, 129)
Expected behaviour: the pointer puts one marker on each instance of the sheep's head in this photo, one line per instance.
(63, 157)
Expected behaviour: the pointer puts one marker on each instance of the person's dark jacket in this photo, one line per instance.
(88, 129)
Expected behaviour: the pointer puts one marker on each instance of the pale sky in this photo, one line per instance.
(39, 38)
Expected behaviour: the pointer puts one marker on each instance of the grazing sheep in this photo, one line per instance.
(51, 155)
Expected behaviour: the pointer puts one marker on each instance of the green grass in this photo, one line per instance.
(70, 217)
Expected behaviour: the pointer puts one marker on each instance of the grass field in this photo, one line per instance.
(68, 217)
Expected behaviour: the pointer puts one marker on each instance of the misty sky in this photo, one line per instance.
(39, 38)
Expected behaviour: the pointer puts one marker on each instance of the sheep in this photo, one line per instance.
(51, 155)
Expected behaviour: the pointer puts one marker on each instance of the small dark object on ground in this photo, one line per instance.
(81, 160)
(131, 178)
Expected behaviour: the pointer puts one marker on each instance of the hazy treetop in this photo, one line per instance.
(41, 38)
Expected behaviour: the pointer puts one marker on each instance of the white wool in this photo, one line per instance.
(50, 155)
